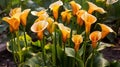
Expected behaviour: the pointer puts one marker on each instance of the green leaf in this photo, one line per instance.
(115, 64)
(70, 52)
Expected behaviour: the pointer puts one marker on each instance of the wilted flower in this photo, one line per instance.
(93, 7)
(65, 31)
(66, 15)
(77, 39)
(79, 14)
(23, 16)
(95, 37)
(39, 27)
(89, 20)
(105, 30)
(75, 7)
(55, 7)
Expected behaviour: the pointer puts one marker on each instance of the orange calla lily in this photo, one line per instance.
(89, 20)
(95, 37)
(65, 31)
(14, 22)
(23, 16)
(14, 11)
(79, 14)
(75, 7)
(77, 39)
(39, 27)
(105, 30)
(93, 7)
(51, 25)
(55, 7)
(66, 15)
(42, 15)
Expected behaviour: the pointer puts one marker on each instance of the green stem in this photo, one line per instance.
(84, 53)
(25, 38)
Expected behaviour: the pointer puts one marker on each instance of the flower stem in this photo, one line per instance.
(25, 38)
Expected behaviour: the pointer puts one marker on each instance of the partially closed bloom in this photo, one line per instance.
(93, 7)
(55, 7)
(65, 31)
(75, 7)
(14, 11)
(13, 21)
(77, 39)
(23, 16)
(95, 37)
(89, 20)
(79, 14)
(39, 27)
(66, 15)
(51, 25)
(105, 30)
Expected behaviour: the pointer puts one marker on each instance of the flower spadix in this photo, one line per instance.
(23, 16)
(95, 37)
(39, 27)
(105, 30)
(79, 14)
(77, 39)
(55, 7)
(66, 15)
(65, 31)
(89, 20)
(75, 7)
(93, 7)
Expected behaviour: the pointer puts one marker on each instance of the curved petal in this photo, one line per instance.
(39, 26)
(94, 37)
(77, 39)
(105, 30)
(75, 7)
(93, 7)
(65, 31)
(14, 11)
(23, 16)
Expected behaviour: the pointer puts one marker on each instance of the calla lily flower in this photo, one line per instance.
(108, 2)
(55, 7)
(39, 27)
(51, 25)
(77, 39)
(65, 31)
(89, 20)
(13, 21)
(66, 15)
(105, 30)
(42, 15)
(14, 11)
(93, 7)
(79, 14)
(23, 16)
(95, 37)
(75, 7)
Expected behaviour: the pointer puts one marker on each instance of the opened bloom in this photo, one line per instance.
(89, 20)
(39, 27)
(79, 19)
(105, 30)
(55, 7)
(23, 16)
(65, 31)
(66, 15)
(75, 7)
(77, 39)
(95, 37)
(13, 21)
(93, 7)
